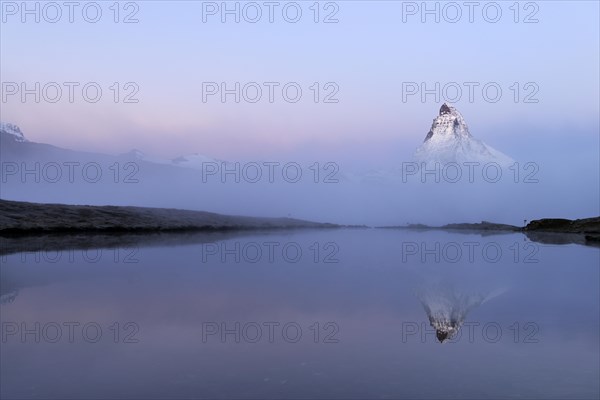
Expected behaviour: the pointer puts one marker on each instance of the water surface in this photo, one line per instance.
(327, 313)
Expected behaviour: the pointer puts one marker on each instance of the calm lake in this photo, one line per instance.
(334, 313)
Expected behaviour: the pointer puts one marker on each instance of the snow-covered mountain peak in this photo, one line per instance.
(13, 130)
(449, 122)
(195, 160)
(449, 140)
(135, 154)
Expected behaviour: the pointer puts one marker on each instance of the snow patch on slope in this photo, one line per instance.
(13, 130)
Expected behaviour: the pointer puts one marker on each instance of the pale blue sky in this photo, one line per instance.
(369, 53)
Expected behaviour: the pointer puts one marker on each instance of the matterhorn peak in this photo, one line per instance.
(13, 130)
(446, 109)
(449, 140)
(448, 122)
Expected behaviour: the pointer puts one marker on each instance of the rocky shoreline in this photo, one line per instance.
(584, 231)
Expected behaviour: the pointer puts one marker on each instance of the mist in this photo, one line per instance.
(404, 192)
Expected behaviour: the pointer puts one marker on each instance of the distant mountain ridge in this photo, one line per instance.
(11, 134)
